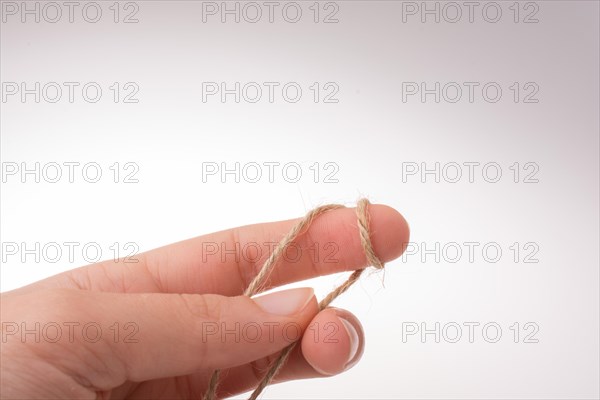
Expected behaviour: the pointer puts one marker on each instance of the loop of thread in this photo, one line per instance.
(258, 283)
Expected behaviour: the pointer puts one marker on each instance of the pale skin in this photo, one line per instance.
(176, 301)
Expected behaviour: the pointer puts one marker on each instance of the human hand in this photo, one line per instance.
(158, 328)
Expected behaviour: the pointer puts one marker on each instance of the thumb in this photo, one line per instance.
(138, 337)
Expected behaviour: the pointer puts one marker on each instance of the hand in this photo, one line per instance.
(159, 327)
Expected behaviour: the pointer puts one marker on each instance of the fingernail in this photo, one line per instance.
(354, 341)
(285, 302)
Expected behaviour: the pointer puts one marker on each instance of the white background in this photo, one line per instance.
(371, 135)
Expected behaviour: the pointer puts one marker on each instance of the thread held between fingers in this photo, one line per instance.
(259, 282)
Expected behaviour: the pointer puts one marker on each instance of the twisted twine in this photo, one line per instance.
(258, 282)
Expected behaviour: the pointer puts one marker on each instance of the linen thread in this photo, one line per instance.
(258, 283)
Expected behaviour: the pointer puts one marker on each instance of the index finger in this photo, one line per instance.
(225, 262)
